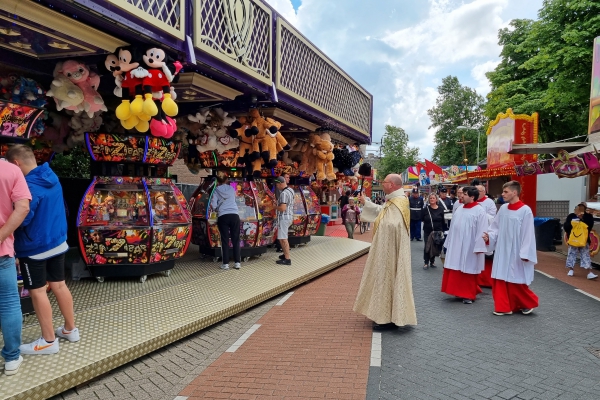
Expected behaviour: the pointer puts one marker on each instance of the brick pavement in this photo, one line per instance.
(313, 346)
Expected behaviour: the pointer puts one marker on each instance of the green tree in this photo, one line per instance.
(457, 105)
(72, 164)
(397, 155)
(546, 67)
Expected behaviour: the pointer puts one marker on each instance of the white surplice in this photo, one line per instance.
(456, 205)
(512, 238)
(490, 208)
(464, 242)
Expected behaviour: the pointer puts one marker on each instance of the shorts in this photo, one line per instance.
(37, 272)
(282, 228)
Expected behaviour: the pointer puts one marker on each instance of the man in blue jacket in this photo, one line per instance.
(41, 244)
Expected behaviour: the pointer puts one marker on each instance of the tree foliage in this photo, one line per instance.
(74, 164)
(397, 156)
(457, 105)
(546, 67)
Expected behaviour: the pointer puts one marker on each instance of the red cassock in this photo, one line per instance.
(460, 284)
(512, 296)
(485, 277)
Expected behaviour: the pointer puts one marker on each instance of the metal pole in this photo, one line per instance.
(478, 134)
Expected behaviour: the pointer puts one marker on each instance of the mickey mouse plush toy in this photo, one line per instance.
(161, 71)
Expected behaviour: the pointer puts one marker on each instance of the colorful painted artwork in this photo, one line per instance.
(313, 224)
(568, 166)
(508, 129)
(298, 227)
(115, 246)
(594, 110)
(162, 151)
(116, 148)
(17, 120)
(169, 242)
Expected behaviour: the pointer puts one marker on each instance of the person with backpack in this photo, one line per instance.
(577, 227)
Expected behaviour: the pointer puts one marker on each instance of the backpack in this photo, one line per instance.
(579, 234)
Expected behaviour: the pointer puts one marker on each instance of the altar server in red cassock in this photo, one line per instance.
(512, 237)
(485, 278)
(466, 248)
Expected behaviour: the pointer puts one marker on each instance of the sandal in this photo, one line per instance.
(425, 266)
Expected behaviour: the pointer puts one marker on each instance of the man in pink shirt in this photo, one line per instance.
(14, 207)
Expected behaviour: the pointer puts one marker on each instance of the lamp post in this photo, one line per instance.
(465, 159)
(478, 135)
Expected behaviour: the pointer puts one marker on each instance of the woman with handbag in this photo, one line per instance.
(434, 226)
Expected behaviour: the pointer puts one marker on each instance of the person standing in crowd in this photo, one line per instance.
(433, 221)
(40, 245)
(452, 196)
(458, 203)
(416, 204)
(512, 236)
(488, 204)
(583, 216)
(466, 248)
(350, 214)
(446, 204)
(14, 207)
(285, 217)
(344, 199)
(228, 220)
(385, 295)
(286, 176)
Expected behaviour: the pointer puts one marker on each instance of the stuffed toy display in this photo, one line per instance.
(344, 160)
(27, 91)
(57, 130)
(80, 75)
(66, 94)
(143, 79)
(80, 124)
(324, 152)
(297, 149)
(309, 159)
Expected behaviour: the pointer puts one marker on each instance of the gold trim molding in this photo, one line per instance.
(277, 113)
(205, 86)
(58, 22)
(534, 118)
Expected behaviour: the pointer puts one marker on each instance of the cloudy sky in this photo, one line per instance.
(400, 50)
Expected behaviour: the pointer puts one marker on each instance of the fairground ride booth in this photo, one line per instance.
(215, 84)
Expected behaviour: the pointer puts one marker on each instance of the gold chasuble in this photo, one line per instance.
(385, 294)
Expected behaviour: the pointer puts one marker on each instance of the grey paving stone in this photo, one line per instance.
(482, 356)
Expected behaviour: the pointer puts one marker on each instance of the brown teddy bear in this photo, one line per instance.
(309, 158)
(297, 149)
(324, 152)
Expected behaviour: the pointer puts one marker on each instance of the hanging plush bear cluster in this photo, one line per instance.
(345, 159)
(143, 80)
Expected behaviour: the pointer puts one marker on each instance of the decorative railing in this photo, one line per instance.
(305, 73)
(167, 15)
(237, 32)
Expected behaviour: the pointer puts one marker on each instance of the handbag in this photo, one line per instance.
(437, 236)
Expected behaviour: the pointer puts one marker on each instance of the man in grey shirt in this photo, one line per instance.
(278, 248)
(285, 217)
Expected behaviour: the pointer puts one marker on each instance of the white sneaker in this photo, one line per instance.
(237, 266)
(12, 367)
(72, 336)
(592, 275)
(225, 266)
(39, 346)
(570, 273)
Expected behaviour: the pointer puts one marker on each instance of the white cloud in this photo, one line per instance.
(400, 50)
(478, 73)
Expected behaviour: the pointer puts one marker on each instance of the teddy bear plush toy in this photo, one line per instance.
(297, 149)
(309, 158)
(324, 152)
(243, 130)
(88, 82)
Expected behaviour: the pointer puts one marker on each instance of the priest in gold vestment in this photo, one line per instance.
(385, 294)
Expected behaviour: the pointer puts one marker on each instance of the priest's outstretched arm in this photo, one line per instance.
(370, 210)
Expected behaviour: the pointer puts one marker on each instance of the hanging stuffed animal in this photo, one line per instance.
(27, 91)
(324, 152)
(80, 75)
(66, 94)
(161, 70)
(125, 67)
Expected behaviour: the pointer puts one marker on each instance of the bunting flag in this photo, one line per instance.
(433, 167)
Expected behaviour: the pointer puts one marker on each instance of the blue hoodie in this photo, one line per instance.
(45, 227)
(223, 200)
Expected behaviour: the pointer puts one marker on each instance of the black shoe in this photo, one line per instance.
(432, 265)
(284, 262)
(380, 327)
(418, 240)
(411, 239)
(279, 251)
(282, 257)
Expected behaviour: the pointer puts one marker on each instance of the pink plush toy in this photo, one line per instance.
(80, 75)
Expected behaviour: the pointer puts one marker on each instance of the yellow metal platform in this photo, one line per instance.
(121, 320)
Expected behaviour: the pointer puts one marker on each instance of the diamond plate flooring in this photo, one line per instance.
(122, 320)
